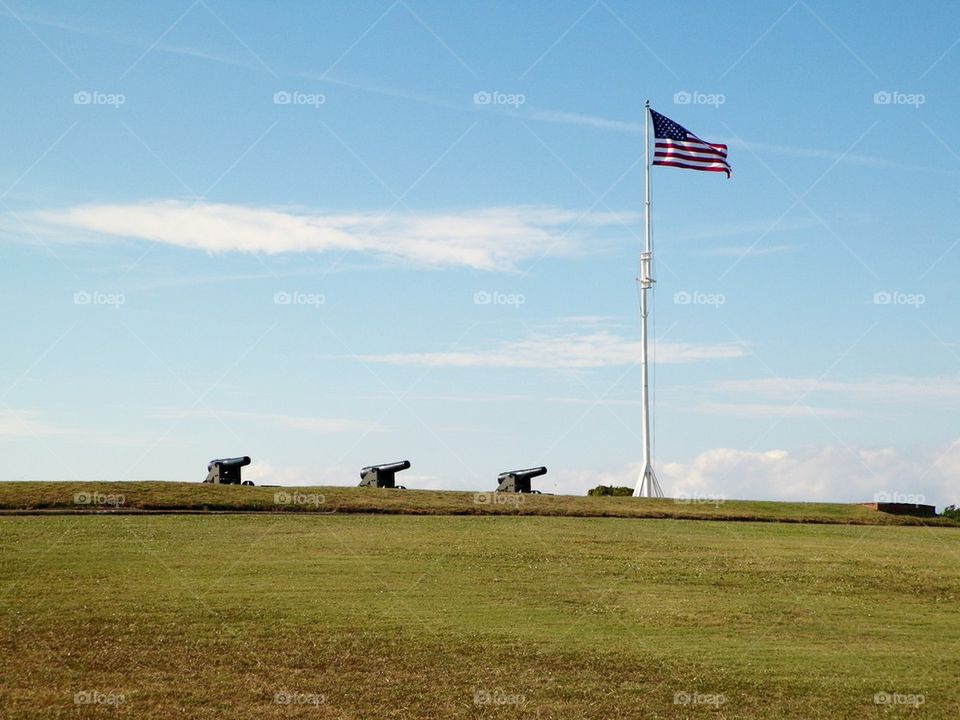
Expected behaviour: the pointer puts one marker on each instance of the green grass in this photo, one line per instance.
(392, 616)
(162, 496)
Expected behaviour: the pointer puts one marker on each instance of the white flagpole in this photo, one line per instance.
(647, 485)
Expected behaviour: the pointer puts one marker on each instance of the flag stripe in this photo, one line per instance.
(714, 167)
(698, 147)
(694, 140)
(692, 154)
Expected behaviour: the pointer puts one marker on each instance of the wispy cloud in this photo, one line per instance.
(568, 351)
(322, 425)
(941, 389)
(485, 239)
(877, 161)
(27, 424)
(766, 410)
(736, 228)
(465, 105)
(760, 148)
(592, 121)
(740, 251)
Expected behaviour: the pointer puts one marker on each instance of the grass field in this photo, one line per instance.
(400, 616)
(170, 496)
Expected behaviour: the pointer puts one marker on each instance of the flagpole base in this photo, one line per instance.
(647, 484)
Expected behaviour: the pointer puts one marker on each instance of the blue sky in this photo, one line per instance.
(330, 234)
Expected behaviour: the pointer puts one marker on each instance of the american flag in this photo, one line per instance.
(678, 147)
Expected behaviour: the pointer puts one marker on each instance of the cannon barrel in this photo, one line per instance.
(389, 467)
(527, 473)
(236, 462)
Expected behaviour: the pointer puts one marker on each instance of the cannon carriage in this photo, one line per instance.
(518, 481)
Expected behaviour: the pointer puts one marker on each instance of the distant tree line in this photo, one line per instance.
(952, 512)
(610, 491)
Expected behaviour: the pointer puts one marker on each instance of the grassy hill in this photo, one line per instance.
(489, 616)
(169, 496)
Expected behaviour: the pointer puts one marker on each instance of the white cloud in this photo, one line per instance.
(740, 251)
(263, 472)
(637, 126)
(834, 473)
(735, 228)
(29, 424)
(761, 410)
(833, 155)
(322, 425)
(485, 239)
(593, 121)
(944, 389)
(26, 424)
(568, 351)
(828, 474)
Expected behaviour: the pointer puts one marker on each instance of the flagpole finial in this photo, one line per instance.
(646, 104)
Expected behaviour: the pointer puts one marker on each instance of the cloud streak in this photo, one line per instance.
(563, 352)
(22, 425)
(321, 425)
(495, 238)
(940, 389)
(770, 410)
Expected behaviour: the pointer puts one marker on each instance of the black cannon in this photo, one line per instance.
(383, 476)
(226, 471)
(518, 481)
